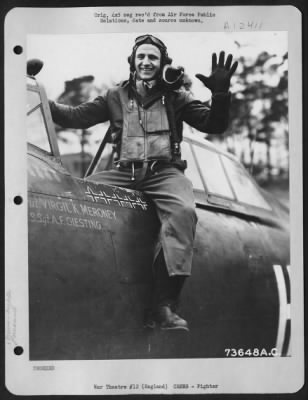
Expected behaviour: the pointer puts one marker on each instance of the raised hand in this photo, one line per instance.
(219, 80)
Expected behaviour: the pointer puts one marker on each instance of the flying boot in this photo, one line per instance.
(166, 295)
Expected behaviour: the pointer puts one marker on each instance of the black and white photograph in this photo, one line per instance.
(158, 155)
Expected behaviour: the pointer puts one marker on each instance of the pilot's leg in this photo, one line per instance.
(172, 194)
(165, 296)
(114, 177)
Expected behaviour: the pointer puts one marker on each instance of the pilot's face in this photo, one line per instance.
(147, 62)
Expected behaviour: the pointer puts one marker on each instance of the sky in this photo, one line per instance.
(105, 55)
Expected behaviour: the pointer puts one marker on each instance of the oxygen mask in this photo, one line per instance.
(173, 77)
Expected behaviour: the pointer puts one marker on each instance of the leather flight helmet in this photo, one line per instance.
(149, 39)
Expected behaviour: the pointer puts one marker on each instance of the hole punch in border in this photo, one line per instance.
(18, 350)
(18, 49)
(18, 200)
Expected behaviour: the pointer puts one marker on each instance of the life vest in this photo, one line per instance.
(145, 131)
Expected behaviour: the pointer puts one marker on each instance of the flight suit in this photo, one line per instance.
(164, 180)
(141, 130)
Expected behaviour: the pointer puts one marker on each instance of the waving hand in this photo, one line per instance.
(219, 80)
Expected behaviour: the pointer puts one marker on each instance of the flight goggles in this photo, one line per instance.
(144, 38)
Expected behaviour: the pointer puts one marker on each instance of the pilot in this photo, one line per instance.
(146, 115)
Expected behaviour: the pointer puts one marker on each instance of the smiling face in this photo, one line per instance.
(147, 62)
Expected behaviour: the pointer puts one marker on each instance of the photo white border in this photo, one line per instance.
(249, 375)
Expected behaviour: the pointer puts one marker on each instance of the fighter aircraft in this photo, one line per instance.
(91, 248)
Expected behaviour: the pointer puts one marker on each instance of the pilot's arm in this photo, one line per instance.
(80, 117)
(212, 119)
(206, 119)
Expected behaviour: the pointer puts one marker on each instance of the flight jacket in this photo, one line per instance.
(209, 119)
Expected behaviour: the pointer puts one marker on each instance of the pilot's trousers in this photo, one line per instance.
(172, 193)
